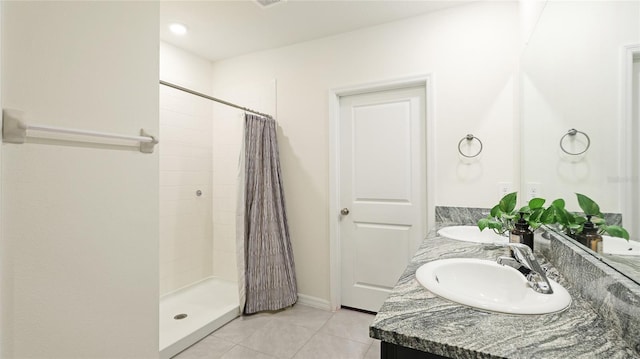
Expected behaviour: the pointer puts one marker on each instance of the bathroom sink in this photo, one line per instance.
(472, 234)
(489, 286)
(616, 245)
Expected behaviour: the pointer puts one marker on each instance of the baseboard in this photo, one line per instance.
(314, 302)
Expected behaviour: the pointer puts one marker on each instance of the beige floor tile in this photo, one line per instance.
(323, 346)
(279, 339)
(304, 316)
(240, 352)
(300, 331)
(349, 324)
(374, 350)
(242, 327)
(210, 347)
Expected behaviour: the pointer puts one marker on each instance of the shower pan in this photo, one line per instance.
(193, 312)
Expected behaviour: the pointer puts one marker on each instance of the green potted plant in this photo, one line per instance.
(504, 216)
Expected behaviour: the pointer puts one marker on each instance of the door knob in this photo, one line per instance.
(344, 211)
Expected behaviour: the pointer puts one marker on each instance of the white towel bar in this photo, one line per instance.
(14, 130)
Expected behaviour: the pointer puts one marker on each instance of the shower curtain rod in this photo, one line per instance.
(213, 98)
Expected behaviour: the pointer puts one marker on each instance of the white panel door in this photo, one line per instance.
(382, 191)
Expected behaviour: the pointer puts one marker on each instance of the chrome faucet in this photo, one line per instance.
(522, 259)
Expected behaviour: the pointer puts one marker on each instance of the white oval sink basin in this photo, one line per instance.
(472, 234)
(616, 245)
(489, 286)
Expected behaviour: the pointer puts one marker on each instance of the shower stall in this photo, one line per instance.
(201, 143)
(200, 174)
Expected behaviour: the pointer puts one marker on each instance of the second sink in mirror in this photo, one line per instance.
(472, 234)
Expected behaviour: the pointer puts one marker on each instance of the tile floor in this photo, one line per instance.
(299, 332)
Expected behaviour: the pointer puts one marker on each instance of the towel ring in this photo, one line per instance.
(573, 132)
(469, 137)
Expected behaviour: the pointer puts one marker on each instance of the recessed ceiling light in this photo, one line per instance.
(178, 29)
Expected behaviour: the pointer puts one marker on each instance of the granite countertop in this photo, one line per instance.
(415, 318)
(629, 265)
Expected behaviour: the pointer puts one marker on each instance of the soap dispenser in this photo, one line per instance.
(522, 233)
(589, 236)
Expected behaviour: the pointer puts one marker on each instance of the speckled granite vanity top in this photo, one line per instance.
(413, 317)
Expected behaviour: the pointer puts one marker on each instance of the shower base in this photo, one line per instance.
(208, 305)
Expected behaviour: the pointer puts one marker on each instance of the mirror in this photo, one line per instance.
(579, 73)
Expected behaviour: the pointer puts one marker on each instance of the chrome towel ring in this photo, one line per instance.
(572, 132)
(469, 137)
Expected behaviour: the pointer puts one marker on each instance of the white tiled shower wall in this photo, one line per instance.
(227, 139)
(185, 167)
(186, 223)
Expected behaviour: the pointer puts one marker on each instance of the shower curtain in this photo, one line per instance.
(267, 276)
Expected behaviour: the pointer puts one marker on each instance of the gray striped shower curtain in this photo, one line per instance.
(269, 271)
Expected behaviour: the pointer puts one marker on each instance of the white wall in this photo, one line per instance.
(186, 222)
(570, 80)
(530, 12)
(80, 222)
(471, 51)
(3, 308)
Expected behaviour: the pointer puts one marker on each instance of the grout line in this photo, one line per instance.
(303, 345)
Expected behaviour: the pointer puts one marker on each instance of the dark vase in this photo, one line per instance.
(522, 233)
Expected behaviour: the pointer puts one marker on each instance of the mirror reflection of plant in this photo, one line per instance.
(573, 223)
(504, 215)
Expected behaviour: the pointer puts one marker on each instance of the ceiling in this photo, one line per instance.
(220, 29)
